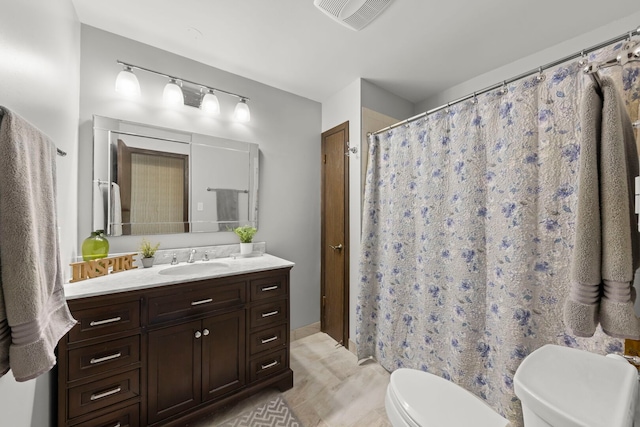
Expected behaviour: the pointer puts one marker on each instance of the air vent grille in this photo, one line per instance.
(332, 7)
(355, 14)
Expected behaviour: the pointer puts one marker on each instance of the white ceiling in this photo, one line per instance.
(415, 49)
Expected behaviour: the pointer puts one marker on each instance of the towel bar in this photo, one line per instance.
(228, 189)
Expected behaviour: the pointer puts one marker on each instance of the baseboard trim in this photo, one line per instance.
(352, 347)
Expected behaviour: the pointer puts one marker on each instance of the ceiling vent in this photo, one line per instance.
(355, 14)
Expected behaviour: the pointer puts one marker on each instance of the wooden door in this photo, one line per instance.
(335, 234)
(223, 354)
(174, 370)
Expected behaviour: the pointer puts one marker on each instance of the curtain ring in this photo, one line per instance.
(474, 100)
(504, 90)
(540, 77)
(583, 58)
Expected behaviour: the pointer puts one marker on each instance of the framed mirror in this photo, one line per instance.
(153, 180)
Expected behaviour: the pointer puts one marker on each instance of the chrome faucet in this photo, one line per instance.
(205, 256)
(174, 259)
(192, 256)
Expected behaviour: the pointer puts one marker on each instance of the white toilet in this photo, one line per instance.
(558, 387)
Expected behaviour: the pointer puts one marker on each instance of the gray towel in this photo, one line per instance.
(620, 237)
(227, 208)
(33, 310)
(607, 242)
(582, 305)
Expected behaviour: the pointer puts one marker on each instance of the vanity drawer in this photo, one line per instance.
(270, 313)
(127, 417)
(269, 364)
(269, 287)
(268, 339)
(206, 298)
(105, 320)
(100, 394)
(98, 358)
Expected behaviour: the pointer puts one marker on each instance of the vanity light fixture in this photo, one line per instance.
(172, 94)
(127, 83)
(182, 92)
(210, 103)
(242, 113)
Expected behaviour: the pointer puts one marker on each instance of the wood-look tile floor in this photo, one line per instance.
(329, 389)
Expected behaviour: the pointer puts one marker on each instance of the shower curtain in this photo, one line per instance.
(468, 227)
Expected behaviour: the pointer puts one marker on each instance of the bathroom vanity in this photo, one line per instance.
(163, 345)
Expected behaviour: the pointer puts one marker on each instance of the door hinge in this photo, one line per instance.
(325, 159)
(324, 300)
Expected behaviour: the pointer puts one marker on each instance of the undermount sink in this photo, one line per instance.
(200, 268)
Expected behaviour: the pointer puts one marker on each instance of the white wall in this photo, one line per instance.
(384, 102)
(286, 126)
(531, 62)
(39, 75)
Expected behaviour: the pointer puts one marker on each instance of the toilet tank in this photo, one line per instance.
(565, 387)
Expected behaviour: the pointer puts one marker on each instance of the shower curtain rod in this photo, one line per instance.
(513, 79)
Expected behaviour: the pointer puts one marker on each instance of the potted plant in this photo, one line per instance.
(246, 233)
(148, 251)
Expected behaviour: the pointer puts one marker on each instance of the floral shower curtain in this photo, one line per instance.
(468, 227)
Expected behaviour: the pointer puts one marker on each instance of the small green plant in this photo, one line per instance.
(147, 250)
(246, 233)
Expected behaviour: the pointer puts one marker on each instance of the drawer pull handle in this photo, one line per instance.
(198, 334)
(273, 338)
(205, 332)
(118, 424)
(271, 313)
(105, 321)
(93, 361)
(270, 288)
(202, 301)
(269, 365)
(106, 393)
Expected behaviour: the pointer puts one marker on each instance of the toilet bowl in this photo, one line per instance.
(558, 387)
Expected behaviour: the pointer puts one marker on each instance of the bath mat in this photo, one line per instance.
(275, 413)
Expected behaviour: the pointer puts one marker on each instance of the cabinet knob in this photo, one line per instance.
(198, 334)
(205, 332)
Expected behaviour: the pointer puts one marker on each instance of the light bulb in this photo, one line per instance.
(242, 113)
(127, 83)
(172, 94)
(210, 103)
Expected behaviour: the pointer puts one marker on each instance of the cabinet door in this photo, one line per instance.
(223, 354)
(174, 370)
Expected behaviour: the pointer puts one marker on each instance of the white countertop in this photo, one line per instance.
(143, 278)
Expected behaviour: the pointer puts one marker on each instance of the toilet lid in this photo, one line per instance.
(570, 387)
(428, 400)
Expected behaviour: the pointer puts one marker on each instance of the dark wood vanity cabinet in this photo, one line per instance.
(163, 356)
(201, 360)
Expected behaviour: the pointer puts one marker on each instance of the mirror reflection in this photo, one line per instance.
(151, 180)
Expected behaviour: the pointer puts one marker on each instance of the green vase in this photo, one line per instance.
(95, 246)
